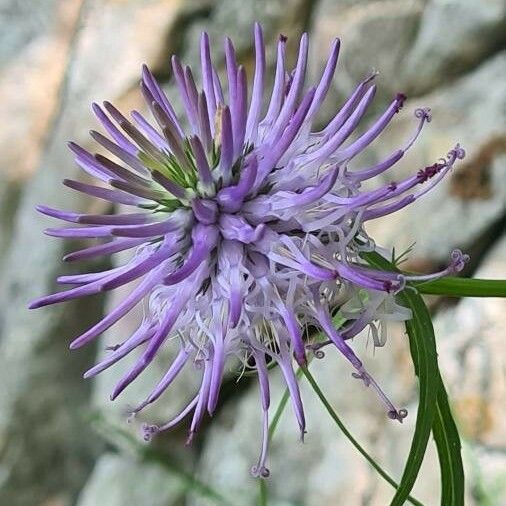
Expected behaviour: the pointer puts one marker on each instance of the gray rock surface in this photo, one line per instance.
(45, 446)
(473, 30)
(391, 27)
(119, 480)
(33, 56)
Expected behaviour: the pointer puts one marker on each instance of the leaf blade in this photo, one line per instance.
(464, 287)
(444, 428)
(447, 439)
(423, 351)
(422, 345)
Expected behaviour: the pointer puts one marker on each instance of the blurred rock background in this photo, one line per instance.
(62, 442)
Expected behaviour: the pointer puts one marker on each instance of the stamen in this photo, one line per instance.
(149, 431)
(458, 261)
(400, 99)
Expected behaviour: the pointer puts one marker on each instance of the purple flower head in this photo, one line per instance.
(246, 228)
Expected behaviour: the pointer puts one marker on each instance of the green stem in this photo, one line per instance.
(464, 287)
(353, 441)
(262, 498)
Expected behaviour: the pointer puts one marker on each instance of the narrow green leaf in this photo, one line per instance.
(444, 429)
(422, 345)
(464, 287)
(423, 350)
(448, 446)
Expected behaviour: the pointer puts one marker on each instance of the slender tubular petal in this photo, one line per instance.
(89, 164)
(378, 212)
(238, 111)
(207, 76)
(365, 139)
(149, 230)
(227, 145)
(258, 86)
(204, 240)
(116, 219)
(328, 148)
(159, 96)
(139, 190)
(202, 401)
(133, 298)
(124, 156)
(73, 293)
(326, 80)
(111, 129)
(179, 75)
(279, 84)
(260, 469)
(118, 171)
(191, 90)
(163, 252)
(231, 64)
(217, 367)
(293, 387)
(118, 197)
(294, 332)
(205, 123)
(201, 161)
(152, 134)
(276, 152)
(150, 430)
(173, 188)
(171, 374)
(308, 195)
(83, 232)
(218, 88)
(140, 336)
(232, 197)
(377, 169)
(108, 248)
(154, 344)
(294, 91)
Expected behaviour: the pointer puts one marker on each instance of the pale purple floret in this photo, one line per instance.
(248, 227)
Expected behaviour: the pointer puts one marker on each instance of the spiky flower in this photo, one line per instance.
(249, 227)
